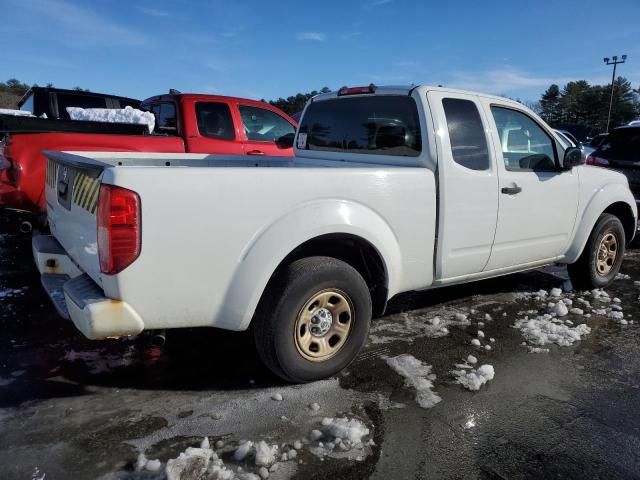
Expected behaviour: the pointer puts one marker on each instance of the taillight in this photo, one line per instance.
(119, 233)
(597, 161)
(357, 90)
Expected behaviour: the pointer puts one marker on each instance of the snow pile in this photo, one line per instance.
(545, 329)
(192, 463)
(347, 430)
(15, 113)
(11, 292)
(113, 115)
(474, 379)
(417, 375)
(6, 381)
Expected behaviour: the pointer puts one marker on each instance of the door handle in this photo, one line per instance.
(255, 152)
(511, 190)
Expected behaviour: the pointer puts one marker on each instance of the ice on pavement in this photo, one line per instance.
(113, 115)
(474, 379)
(410, 326)
(417, 375)
(546, 329)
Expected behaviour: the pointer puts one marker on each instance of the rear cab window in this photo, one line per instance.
(378, 125)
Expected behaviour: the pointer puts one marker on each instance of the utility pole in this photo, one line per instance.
(614, 61)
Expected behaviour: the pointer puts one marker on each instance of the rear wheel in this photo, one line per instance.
(601, 259)
(313, 320)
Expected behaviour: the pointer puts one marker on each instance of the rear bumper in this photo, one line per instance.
(77, 297)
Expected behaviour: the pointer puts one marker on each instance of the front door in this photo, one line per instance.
(468, 185)
(263, 128)
(538, 201)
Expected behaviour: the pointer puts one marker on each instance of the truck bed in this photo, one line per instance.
(214, 228)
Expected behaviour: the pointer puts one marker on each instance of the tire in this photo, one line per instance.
(285, 334)
(587, 272)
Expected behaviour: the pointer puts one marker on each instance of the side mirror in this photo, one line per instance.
(572, 158)
(285, 141)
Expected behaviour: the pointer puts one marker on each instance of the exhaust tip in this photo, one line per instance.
(25, 227)
(158, 339)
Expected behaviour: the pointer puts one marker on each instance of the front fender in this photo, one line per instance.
(270, 246)
(599, 201)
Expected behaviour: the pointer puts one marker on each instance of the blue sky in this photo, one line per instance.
(269, 49)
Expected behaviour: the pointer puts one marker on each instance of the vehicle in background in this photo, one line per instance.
(391, 190)
(570, 141)
(48, 109)
(620, 151)
(190, 123)
(597, 140)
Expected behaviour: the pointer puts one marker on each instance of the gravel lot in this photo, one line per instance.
(71, 408)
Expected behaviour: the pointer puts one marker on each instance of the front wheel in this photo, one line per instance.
(601, 259)
(313, 320)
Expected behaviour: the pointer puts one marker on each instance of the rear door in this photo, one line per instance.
(468, 185)
(262, 129)
(216, 131)
(538, 202)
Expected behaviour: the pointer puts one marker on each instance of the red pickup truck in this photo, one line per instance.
(190, 123)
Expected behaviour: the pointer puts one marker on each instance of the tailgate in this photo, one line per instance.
(72, 190)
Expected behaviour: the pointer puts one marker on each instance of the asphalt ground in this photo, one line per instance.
(74, 408)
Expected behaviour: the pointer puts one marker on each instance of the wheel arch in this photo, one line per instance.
(612, 198)
(341, 229)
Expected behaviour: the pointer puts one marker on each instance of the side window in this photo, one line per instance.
(214, 120)
(167, 118)
(263, 125)
(74, 100)
(466, 133)
(525, 145)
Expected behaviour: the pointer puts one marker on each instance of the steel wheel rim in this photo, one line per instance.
(607, 254)
(323, 325)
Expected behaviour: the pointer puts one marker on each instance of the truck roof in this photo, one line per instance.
(202, 97)
(407, 89)
(37, 89)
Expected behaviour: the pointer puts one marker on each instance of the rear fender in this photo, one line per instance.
(273, 244)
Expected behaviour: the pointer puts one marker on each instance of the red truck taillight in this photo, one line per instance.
(119, 232)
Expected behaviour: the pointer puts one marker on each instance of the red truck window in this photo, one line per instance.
(166, 118)
(263, 125)
(214, 120)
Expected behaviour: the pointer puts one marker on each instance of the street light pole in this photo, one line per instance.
(614, 61)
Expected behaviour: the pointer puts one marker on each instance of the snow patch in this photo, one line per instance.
(418, 376)
(474, 379)
(545, 330)
(114, 115)
(15, 113)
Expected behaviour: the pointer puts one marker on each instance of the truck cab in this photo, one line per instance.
(224, 125)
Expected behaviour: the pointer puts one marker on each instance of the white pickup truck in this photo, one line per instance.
(391, 189)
